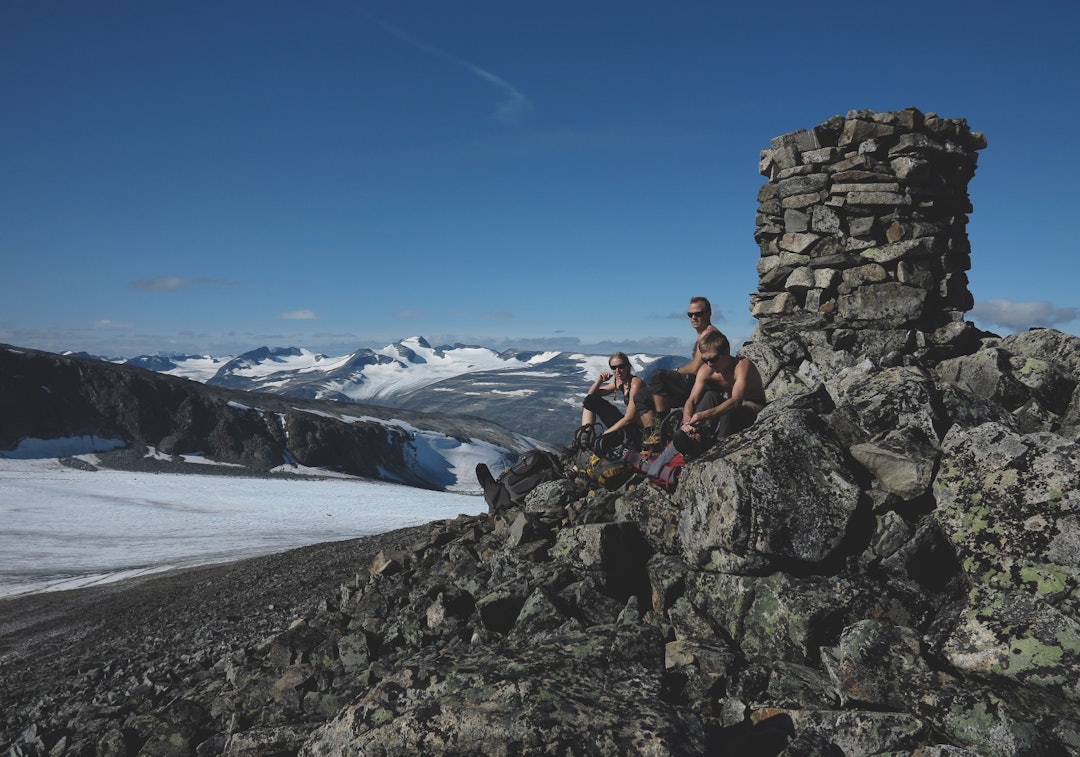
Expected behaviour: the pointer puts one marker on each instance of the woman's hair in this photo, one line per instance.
(620, 356)
(714, 341)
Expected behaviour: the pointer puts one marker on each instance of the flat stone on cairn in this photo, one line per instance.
(862, 231)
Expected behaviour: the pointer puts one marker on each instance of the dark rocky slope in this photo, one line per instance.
(887, 564)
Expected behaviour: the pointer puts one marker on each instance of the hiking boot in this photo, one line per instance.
(655, 434)
(669, 424)
(583, 437)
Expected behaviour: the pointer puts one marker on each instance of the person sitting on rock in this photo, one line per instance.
(726, 398)
(640, 411)
(671, 388)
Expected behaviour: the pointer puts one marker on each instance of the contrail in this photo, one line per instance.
(510, 111)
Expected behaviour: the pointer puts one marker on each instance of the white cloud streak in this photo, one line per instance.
(1017, 316)
(161, 284)
(515, 105)
(176, 283)
(299, 315)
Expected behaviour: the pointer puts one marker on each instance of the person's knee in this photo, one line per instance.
(593, 402)
(738, 420)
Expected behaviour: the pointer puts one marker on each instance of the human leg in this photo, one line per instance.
(737, 420)
(669, 389)
(600, 408)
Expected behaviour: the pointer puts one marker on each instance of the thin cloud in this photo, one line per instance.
(715, 318)
(408, 314)
(298, 315)
(105, 323)
(161, 284)
(496, 316)
(176, 283)
(1018, 316)
(515, 105)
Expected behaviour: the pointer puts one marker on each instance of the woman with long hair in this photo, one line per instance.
(640, 411)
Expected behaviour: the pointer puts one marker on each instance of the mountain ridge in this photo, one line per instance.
(535, 392)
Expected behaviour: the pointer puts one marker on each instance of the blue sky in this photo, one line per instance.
(211, 177)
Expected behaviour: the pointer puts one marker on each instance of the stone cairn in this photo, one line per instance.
(862, 230)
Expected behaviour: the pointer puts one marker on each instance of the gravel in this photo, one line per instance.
(200, 613)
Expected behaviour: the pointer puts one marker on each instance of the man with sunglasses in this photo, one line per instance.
(671, 389)
(726, 397)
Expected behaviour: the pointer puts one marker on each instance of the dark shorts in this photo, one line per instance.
(671, 384)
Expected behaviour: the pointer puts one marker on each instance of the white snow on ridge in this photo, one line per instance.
(379, 380)
(306, 360)
(196, 458)
(398, 377)
(201, 368)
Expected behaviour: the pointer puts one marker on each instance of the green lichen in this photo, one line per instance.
(1001, 479)
(381, 716)
(1030, 654)
(1030, 366)
(976, 518)
(1046, 579)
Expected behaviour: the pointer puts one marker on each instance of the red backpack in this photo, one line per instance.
(662, 467)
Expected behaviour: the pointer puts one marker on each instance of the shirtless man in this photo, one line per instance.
(671, 388)
(726, 397)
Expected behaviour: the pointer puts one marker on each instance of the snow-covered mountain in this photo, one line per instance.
(537, 394)
(366, 374)
(64, 406)
(196, 367)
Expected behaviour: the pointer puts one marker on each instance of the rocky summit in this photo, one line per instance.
(886, 563)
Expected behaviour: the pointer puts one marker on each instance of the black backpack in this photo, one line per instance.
(603, 459)
(532, 469)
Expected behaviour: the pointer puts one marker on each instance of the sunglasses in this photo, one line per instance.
(695, 313)
(617, 367)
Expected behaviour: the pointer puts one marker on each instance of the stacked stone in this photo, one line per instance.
(862, 230)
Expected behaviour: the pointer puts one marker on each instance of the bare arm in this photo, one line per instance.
(598, 386)
(735, 398)
(700, 385)
(693, 366)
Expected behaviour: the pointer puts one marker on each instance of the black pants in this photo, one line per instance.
(609, 415)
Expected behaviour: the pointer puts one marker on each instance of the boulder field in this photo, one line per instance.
(886, 563)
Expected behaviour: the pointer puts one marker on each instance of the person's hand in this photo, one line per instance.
(605, 376)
